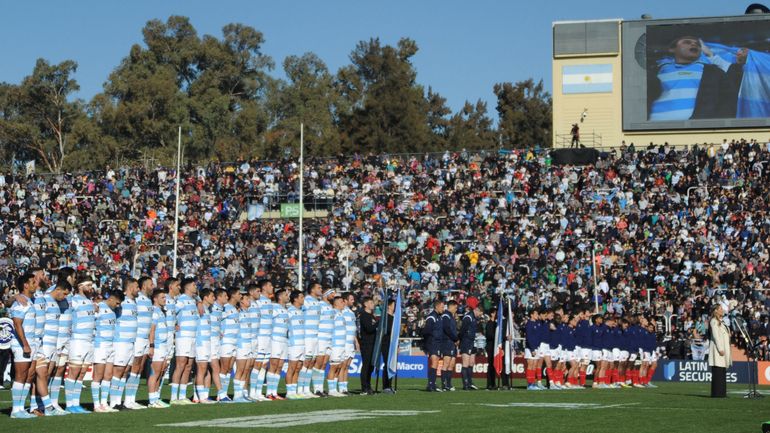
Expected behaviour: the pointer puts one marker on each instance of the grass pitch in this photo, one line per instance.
(673, 407)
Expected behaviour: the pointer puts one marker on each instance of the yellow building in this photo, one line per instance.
(588, 88)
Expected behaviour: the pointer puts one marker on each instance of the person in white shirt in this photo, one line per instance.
(23, 346)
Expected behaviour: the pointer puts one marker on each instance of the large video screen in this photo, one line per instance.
(695, 74)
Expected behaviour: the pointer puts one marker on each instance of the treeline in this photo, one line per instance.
(221, 91)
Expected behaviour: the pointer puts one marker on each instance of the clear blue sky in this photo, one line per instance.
(465, 47)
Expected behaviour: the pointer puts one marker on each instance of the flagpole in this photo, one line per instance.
(176, 210)
(301, 199)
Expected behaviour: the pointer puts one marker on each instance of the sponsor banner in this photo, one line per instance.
(519, 366)
(411, 367)
(699, 371)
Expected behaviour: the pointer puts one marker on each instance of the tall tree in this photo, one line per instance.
(471, 128)
(525, 113)
(309, 97)
(386, 108)
(37, 116)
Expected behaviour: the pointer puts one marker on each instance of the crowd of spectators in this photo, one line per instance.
(672, 231)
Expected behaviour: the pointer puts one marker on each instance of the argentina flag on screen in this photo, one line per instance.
(586, 79)
(754, 95)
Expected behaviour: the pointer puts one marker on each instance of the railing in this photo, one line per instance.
(587, 139)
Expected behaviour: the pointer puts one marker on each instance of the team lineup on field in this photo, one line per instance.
(245, 336)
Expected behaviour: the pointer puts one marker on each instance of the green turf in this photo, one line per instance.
(673, 407)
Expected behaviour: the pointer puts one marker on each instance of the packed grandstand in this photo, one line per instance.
(674, 230)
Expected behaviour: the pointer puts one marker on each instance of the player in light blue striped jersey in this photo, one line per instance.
(312, 310)
(230, 329)
(141, 345)
(279, 343)
(351, 342)
(82, 344)
(203, 347)
(123, 341)
(159, 340)
(63, 338)
(186, 322)
(23, 345)
(172, 286)
(297, 329)
(46, 356)
(263, 338)
(242, 349)
(325, 330)
(339, 337)
(217, 310)
(104, 350)
(254, 295)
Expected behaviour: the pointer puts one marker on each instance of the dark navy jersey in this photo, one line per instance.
(533, 335)
(614, 338)
(449, 327)
(468, 327)
(568, 337)
(433, 332)
(583, 334)
(597, 336)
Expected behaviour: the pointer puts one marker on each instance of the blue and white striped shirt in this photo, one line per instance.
(160, 320)
(144, 316)
(216, 322)
(312, 309)
(280, 324)
(230, 325)
(105, 325)
(297, 327)
(244, 330)
(326, 324)
(83, 318)
(170, 315)
(265, 316)
(679, 84)
(350, 326)
(51, 327)
(203, 330)
(254, 316)
(126, 322)
(39, 305)
(27, 315)
(340, 331)
(186, 317)
(65, 323)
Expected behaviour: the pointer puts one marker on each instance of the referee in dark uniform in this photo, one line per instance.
(367, 330)
(468, 329)
(433, 335)
(449, 344)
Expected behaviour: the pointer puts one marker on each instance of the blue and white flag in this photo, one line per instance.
(754, 96)
(395, 331)
(586, 79)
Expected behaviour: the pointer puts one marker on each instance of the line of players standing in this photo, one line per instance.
(254, 329)
(622, 349)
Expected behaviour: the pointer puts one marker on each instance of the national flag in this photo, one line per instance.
(509, 343)
(395, 331)
(380, 333)
(498, 358)
(586, 79)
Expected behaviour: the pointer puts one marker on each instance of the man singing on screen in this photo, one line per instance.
(683, 86)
